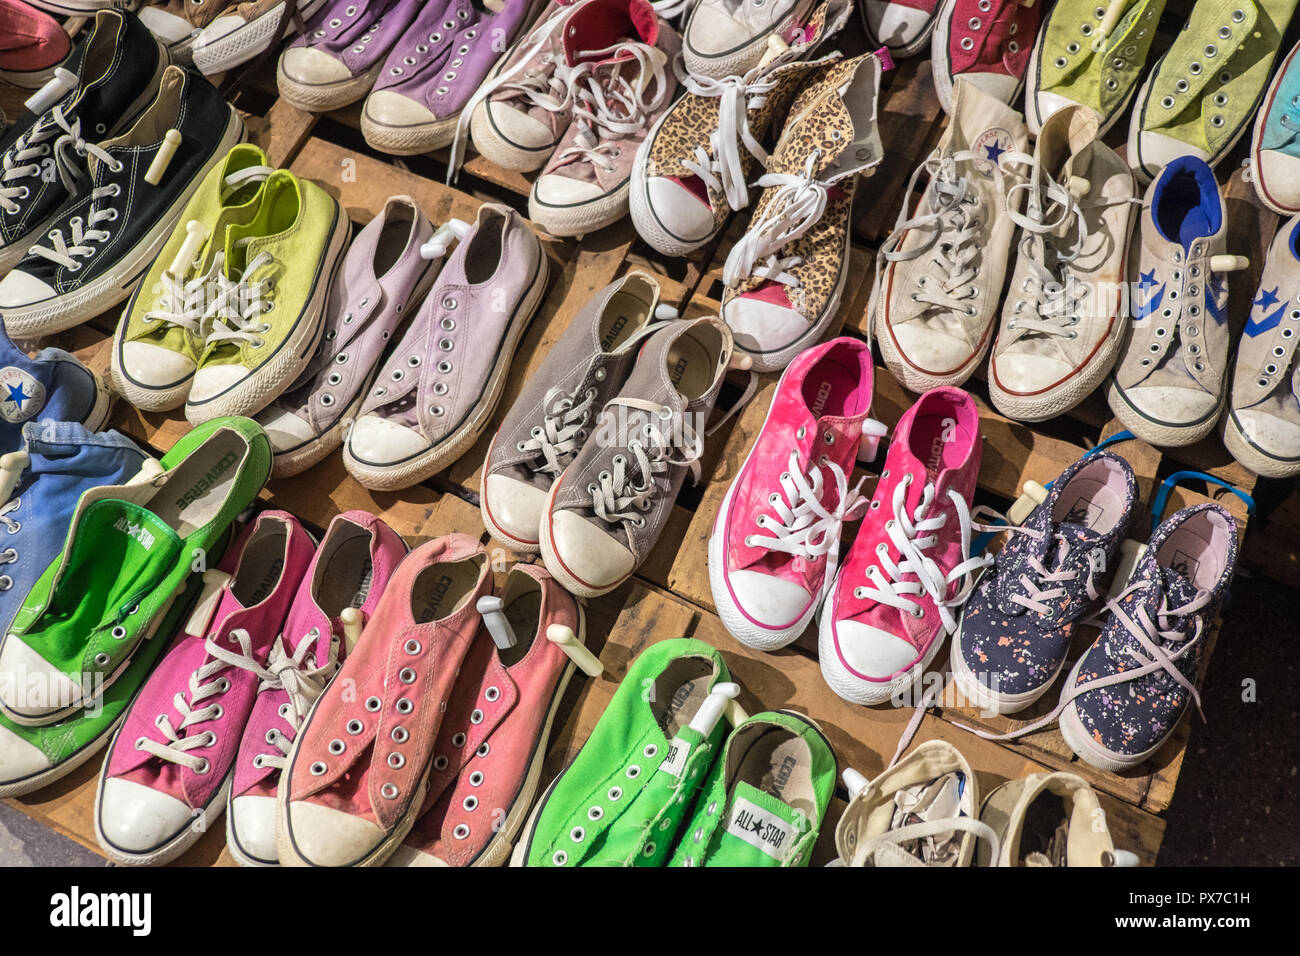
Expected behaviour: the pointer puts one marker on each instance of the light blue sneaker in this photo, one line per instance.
(53, 385)
(1275, 143)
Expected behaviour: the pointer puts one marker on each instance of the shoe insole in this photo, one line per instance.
(678, 692)
(693, 361)
(779, 764)
(343, 577)
(1094, 498)
(830, 388)
(1044, 835)
(443, 588)
(624, 315)
(524, 611)
(197, 488)
(261, 564)
(941, 441)
(484, 251)
(1197, 549)
(394, 237)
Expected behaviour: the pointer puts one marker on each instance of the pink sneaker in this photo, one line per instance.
(338, 594)
(775, 542)
(169, 767)
(903, 26)
(358, 771)
(987, 43)
(32, 44)
(910, 569)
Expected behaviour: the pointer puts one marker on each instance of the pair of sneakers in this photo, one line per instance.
(216, 37)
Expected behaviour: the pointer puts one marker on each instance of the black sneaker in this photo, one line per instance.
(99, 91)
(99, 246)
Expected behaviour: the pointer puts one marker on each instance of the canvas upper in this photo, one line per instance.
(1047, 819)
(901, 25)
(1275, 143)
(53, 384)
(723, 38)
(985, 42)
(32, 43)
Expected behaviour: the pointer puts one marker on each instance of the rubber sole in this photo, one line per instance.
(853, 688)
(1161, 434)
(323, 97)
(1242, 449)
(246, 42)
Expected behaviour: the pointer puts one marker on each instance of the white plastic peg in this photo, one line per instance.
(1130, 553)
(776, 46)
(163, 158)
(1229, 263)
(869, 445)
(1126, 858)
(854, 782)
(503, 635)
(436, 247)
(195, 234)
(1032, 494)
(587, 662)
(150, 470)
(213, 583)
(351, 619)
(714, 706)
(59, 84)
(1078, 187)
(11, 470)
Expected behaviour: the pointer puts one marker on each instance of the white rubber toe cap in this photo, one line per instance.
(894, 24)
(589, 553)
(1022, 374)
(678, 210)
(760, 326)
(516, 508)
(139, 819)
(1155, 151)
(19, 289)
(213, 380)
(1169, 405)
(713, 31)
(19, 759)
(1275, 436)
(379, 441)
(284, 428)
(154, 366)
(1049, 103)
(768, 600)
(517, 127)
(930, 350)
(328, 837)
(252, 818)
(393, 109)
(33, 687)
(555, 190)
(312, 67)
(1279, 178)
(409, 856)
(871, 652)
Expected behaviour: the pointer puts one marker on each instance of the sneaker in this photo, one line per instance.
(775, 544)
(357, 775)
(784, 279)
(1262, 427)
(624, 797)
(438, 388)
(1047, 819)
(69, 107)
(1063, 320)
(608, 508)
(339, 593)
(136, 187)
(339, 55)
(272, 286)
(985, 42)
(764, 801)
(160, 335)
(1090, 54)
(940, 273)
(1047, 580)
(557, 407)
(53, 384)
(385, 271)
(1275, 143)
(728, 38)
(243, 30)
(1129, 690)
(901, 26)
(1201, 96)
(128, 554)
(1171, 381)
(910, 568)
(493, 740)
(32, 44)
(167, 768)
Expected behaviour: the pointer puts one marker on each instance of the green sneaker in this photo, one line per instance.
(764, 802)
(129, 552)
(622, 799)
(1202, 95)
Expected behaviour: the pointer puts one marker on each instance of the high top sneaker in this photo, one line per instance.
(52, 384)
(902, 26)
(726, 38)
(985, 42)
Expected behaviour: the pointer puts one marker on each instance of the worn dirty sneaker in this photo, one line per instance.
(1048, 819)
(1275, 143)
(33, 44)
(987, 43)
(242, 30)
(52, 384)
(902, 26)
(728, 38)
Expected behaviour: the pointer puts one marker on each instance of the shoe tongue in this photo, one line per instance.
(1178, 588)
(119, 552)
(603, 23)
(760, 830)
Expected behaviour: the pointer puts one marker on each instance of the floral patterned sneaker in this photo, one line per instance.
(1048, 819)
(985, 42)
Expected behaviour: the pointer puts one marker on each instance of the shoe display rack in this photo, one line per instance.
(670, 594)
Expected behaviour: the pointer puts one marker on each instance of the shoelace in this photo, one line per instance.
(672, 8)
(615, 495)
(796, 207)
(239, 304)
(724, 172)
(22, 160)
(84, 235)
(302, 682)
(1044, 586)
(890, 843)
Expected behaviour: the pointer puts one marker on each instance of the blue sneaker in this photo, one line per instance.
(52, 385)
(1275, 143)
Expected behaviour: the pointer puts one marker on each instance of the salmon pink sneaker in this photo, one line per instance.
(988, 43)
(910, 568)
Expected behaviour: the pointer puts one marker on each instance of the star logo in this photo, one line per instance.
(1266, 298)
(1213, 295)
(1270, 320)
(994, 150)
(21, 395)
(989, 147)
(17, 395)
(1152, 302)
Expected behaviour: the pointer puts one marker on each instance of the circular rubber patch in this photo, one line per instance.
(21, 396)
(989, 147)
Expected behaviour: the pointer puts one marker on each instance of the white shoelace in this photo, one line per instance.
(615, 495)
(736, 95)
(796, 207)
(889, 844)
(1044, 585)
(609, 105)
(302, 682)
(564, 427)
(22, 160)
(239, 305)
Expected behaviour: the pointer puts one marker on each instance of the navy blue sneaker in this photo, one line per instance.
(53, 385)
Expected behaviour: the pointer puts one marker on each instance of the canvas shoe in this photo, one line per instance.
(338, 57)
(74, 8)
(1090, 53)
(489, 753)
(1063, 318)
(32, 44)
(243, 30)
(557, 408)
(910, 567)
(386, 272)
(784, 279)
(607, 510)
(267, 315)
(693, 169)
(1202, 95)
(1262, 427)
(727, 38)
(357, 775)
(439, 386)
(1049, 578)
(764, 801)
(170, 764)
(129, 551)
(1048, 819)
(901, 26)
(940, 273)
(136, 187)
(109, 79)
(160, 335)
(985, 42)
(1275, 143)
(623, 799)
(53, 384)
(1171, 381)
(775, 544)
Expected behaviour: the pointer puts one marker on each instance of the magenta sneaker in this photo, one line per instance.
(987, 43)
(338, 595)
(909, 570)
(169, 766)
(775, 542)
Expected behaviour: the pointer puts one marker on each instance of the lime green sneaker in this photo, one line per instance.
(1202, 95)
(128, 553)
(1090, 53)
(160, 335)
(764, 802)
(622, 799)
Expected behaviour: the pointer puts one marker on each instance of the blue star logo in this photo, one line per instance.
(994, 151)
(1266, 298)
(17, 395)
(1148, 280)
(1212, 296)
(1145, 285)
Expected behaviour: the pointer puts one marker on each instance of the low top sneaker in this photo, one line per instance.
(766, 797)
(1047, 819)
(1202, 95)
(52, 384)
(32, 44)
(776, 540)
(169, 767)
(438, 388)
(129, 551)
(243, 30)
(386, 273)
(1171, 381)
(556, 410)
(136, 187)
(339, 593)
(358, 772)
(985, 42)
(910, 567)
(1048, 579)
(939, 274)
(784, 279)
(727, 38)
(271, 287)
(1275, 143)
(111, 76)
(160, 335)
(623, 799)
(902, 26)
(1063, 318)
(608, 508)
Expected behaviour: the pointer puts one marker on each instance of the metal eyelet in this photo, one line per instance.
(337, 746)
(390, 791)
(476, 778)
(118, 632)
(470, 803)
(404, 705)
(102, 660)
(355, 726)
(413, 646)
(396, 761)
(483, 750)
(373, 704)
(406, 675)
(318, 769)
(476, 717)
(615, 794)
(458, 740)
(399, 735)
